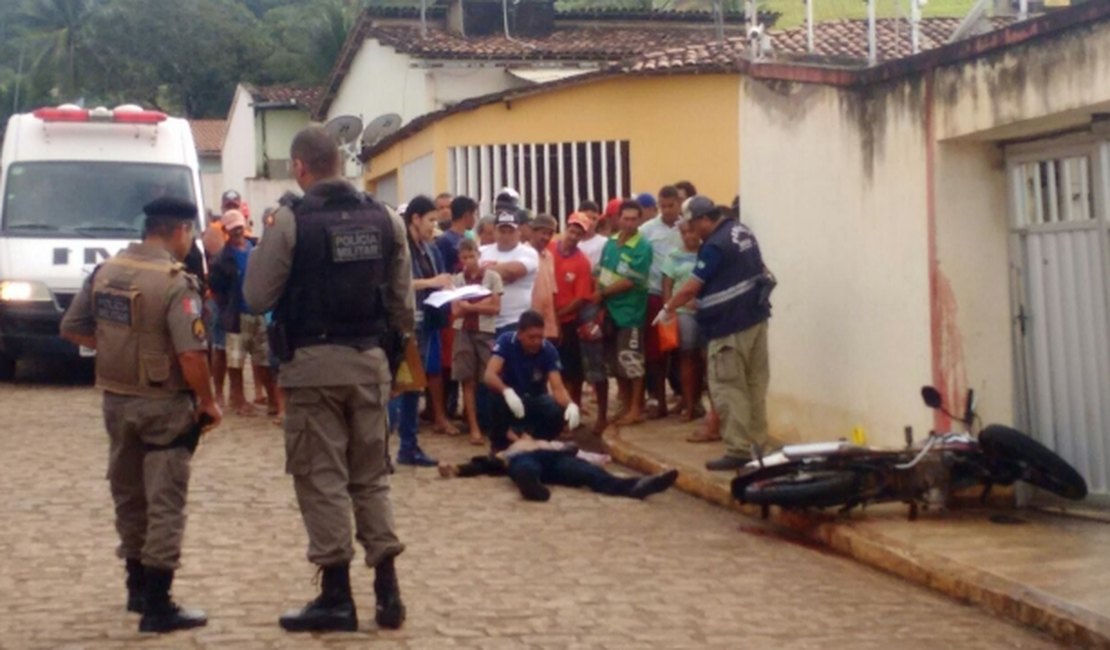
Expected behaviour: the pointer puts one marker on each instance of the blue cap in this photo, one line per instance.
(646, 200)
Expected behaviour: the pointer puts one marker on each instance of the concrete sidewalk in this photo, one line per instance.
(1046, 570)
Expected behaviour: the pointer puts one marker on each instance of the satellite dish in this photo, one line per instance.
(382, 127)
(344, 129)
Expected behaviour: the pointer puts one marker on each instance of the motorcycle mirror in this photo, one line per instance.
(932, 397)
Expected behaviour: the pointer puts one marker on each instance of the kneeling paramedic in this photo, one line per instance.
(335, 269)
(142, 312)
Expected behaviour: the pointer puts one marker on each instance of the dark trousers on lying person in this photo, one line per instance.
(531, 470)
(543, 419)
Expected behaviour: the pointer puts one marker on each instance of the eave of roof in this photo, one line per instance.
(365, 24)
(505, 96)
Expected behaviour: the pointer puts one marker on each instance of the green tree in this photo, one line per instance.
(185, 57)
(56, 32)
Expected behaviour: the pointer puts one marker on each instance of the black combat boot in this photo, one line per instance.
(134, 586)
(332, 611)
(160, 613)
(390, 609)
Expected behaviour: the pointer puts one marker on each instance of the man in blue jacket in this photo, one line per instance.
(729, 282)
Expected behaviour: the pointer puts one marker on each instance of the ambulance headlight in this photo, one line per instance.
(16, 291)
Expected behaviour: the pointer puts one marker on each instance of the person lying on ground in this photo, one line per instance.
(534, 464)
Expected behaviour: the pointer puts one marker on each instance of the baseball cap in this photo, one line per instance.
(646, 200)
(700, 206)
(231, 196)
(545, 221)
(580, 220)
(507, 218)
(613, 208)
(233, 219)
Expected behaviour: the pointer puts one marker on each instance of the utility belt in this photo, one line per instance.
(283, 346)
(360, 343)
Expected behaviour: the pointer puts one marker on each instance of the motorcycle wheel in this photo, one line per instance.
(743, 480)
(820, 489)
(1042, 467)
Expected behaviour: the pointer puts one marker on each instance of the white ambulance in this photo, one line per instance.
(73, 182)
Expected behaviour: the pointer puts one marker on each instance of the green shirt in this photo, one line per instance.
(679, 266)
(632, 261)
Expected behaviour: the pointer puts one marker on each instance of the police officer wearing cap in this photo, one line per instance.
(732, 287)
(335, 269)
(141, 312)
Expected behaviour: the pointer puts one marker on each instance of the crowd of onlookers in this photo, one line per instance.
(599, 281)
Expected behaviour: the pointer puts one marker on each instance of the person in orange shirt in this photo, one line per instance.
(574, 290)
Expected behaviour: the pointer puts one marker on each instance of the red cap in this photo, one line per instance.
(613, 209)
(580, 220)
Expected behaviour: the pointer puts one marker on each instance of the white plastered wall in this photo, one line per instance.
(381, 81)
(238, 156)
(833, 183)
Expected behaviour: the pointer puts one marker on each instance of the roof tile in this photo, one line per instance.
(600, 44)
(838, 40)
(306, 96)
(208, 135)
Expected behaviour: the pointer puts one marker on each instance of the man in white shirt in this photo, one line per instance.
(517, 265)
(663, 235)
(592, 243)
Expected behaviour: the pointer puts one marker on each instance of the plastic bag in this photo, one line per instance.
(668, 335)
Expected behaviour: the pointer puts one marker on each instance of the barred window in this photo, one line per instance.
(552, 178)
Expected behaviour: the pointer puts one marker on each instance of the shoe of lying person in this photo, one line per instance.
(653, 484)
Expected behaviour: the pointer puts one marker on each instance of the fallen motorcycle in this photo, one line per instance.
(845, 475)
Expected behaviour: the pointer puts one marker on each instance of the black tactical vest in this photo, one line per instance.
(341, 264)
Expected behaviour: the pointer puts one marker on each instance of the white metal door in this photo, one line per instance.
(1061, 245)
(1061, 231)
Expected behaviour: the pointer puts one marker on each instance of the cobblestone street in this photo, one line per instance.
(483, 569)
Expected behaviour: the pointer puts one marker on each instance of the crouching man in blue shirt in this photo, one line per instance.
(524, 364)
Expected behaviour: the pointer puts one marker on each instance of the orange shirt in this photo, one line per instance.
(573, 279)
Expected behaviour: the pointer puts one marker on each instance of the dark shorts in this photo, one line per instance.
(652, 353)
(570, 353)
(626, 350)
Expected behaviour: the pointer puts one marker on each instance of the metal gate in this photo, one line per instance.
(1061, 250)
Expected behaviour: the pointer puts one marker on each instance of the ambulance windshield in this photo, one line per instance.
(86, 199)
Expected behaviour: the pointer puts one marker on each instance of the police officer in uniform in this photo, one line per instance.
(141, 311)
(730, 283)
(334, 267)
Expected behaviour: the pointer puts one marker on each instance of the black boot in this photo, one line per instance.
(160, 613)
(134, 586)
(390, 609)
(332, 611)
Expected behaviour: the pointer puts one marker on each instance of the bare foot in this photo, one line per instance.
(447, 428)
(447, 470)
(629, 419)
(477, 439)
(599, 427)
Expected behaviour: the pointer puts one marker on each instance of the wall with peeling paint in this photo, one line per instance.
(834, 186)
(1044, 85)
(883, 208)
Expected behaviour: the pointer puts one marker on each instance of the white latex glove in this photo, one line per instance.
(514, 402)
(662, 317)
(573, 416)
